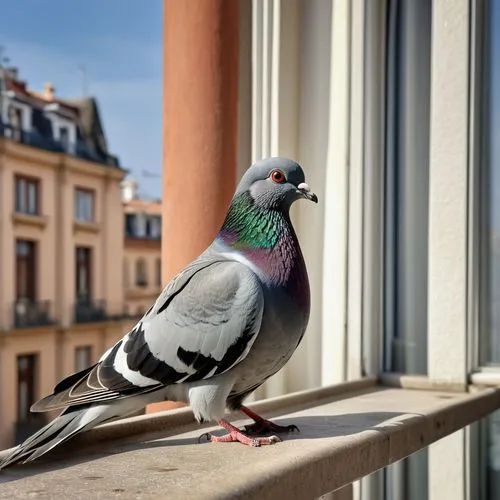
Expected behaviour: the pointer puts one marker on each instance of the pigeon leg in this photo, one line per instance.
(262, 425)
(235, 435)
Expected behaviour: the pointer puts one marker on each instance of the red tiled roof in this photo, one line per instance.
(146, 206)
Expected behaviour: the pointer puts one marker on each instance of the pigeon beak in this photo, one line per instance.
(305, 192)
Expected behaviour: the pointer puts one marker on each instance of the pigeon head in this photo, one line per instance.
(275, 183)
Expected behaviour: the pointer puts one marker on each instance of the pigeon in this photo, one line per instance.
(220, 328)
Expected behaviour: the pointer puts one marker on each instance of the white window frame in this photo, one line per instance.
(58, 122)
(24, 108)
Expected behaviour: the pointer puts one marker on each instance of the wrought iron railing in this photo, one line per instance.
(29, 313)
(89, 311)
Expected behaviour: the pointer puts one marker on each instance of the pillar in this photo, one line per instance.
(200, 125)
(200, 98)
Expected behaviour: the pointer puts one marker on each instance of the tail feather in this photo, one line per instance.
(73, 420)
(62, 428)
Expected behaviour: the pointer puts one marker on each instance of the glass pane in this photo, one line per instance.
(20, 195)
(407, 153)
(32, 198)
(489, 262)
(490, 178)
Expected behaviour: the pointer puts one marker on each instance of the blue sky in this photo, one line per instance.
(119, 42)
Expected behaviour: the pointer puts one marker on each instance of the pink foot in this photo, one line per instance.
(235, 435)
(262, 425)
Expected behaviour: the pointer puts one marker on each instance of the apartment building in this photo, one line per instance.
(61, 247)
(142, 249)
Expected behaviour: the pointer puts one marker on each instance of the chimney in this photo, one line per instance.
(129, 190)
(49, 91)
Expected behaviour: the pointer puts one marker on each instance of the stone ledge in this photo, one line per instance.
(347, 431)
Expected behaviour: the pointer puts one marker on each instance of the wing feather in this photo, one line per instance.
(204, 323)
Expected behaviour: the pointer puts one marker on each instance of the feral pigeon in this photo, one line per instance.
(220, 328)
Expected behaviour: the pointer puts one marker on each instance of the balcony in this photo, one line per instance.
(347, 431)
(30, 313)
(90, 311)
(79, 149)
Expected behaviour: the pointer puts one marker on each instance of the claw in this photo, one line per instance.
(205, 435)
(235, 435)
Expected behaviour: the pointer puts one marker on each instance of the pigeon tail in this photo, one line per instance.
(66, 425)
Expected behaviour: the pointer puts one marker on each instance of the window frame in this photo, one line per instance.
(141, 271)
(33, 389)
(87, 192)
(90, 277)
(26, 181)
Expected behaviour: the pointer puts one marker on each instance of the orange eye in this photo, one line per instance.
(278, 176)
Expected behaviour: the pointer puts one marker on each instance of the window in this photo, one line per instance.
(64, 137)
(84, 205)
(141, 277)
(126, 273)
(83, 274)
(83, 357)
(489, 256)
(130, 224)
(27, 195)
(158, 272)
(407, 209)
(26, 377)
(155, 227)
(25, 270)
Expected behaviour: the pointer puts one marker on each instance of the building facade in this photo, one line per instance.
(142, 250)
(61, 247)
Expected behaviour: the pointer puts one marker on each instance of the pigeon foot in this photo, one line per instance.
(262, 425)
(235, 435)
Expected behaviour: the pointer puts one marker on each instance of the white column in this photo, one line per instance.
(334, 327)
(355, 234)
(447, 281)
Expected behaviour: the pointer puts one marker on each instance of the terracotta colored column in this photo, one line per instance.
(200, 124)
(200, 98)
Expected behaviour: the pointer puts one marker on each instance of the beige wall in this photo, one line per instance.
(137, 298)
(57, 234)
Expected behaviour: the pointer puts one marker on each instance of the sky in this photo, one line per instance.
(119, 43)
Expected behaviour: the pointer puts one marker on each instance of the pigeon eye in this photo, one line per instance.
(278, 176)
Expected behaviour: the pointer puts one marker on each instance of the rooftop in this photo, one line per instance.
(37, 128)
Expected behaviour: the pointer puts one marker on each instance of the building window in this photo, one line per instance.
(83, 357)
(141, 277)
(155, 227)
(130, 225)
(84, 205)
(158, 272)
(25, 270)
(27, 195)
(64, 137)
(126, 274)
(83, 274)
(26, 376)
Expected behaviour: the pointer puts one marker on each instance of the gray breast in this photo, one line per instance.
(282, 328)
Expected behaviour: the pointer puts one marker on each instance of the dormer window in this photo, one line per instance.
(17, 116)
(63, 127)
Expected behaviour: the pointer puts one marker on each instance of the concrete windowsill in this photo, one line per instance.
(347, 431)
(35, 220)
(88, 227)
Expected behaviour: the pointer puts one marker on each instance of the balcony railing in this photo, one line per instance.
(79, 149)
(90, 311)
(29, 313)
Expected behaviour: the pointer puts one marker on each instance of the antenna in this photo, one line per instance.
(149, 174)
(83, 76)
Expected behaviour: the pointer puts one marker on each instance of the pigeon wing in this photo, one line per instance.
(204, 323)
